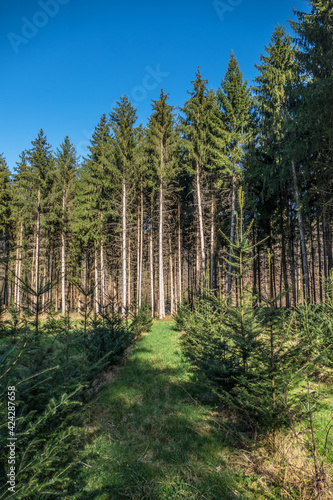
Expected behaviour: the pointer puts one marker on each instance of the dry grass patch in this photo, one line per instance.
(284, 461)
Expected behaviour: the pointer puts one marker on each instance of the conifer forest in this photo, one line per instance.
(171, 293)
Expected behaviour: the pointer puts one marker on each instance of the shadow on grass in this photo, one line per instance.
(151, 440)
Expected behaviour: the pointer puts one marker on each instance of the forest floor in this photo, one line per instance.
(150, 438)
(154, 433)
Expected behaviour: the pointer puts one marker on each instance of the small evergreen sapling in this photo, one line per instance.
(142, 321)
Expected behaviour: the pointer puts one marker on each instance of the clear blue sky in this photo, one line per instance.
(65, 62)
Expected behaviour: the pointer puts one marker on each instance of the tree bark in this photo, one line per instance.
(172, 299)
(63, 260)
(102, 276)
(19, 267)
(96, 279)
(201, 231)
(124, 254)
(37, 247)
(301, 231)
(161, 311)
(232, 232)
(151, 255)
(283, 258)
(319, 262)
(313, 280)
(141, 245)
(138, 260)
(179, 258)
(129, 275)
(212, 244)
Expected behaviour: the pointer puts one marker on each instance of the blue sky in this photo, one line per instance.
(65, 62)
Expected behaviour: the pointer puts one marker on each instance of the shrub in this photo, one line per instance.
(142, 321)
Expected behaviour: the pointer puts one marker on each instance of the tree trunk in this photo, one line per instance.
(129, 275)
(141, 245)
(313, 278)
(19, 268)
(283, 259)
(63, 260)
(151, 255)
(179, 258)
(161, 311)
(138, 260)
(172, 299)
(37, 264)
(232, 233)
(292, 260)
(124, 254)
(102, 277)
(319, 262)
(212, 244)
(96, 279)
(201, 231)
(327, 241)
(301, 232)
(37, 247)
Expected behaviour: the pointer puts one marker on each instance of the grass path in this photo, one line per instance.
(151, 440)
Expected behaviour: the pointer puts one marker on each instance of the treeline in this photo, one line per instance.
(150, 214)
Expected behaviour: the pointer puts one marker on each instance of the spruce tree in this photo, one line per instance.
(122, 120)
(196, 130)
(41, 176)
(92, 205)
(161, 139)
(268, 167)
(65, 183)
(234, 101)
(22, 223)
(5, 227)
(312, 127)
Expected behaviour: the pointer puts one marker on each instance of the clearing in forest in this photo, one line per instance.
(151, 439)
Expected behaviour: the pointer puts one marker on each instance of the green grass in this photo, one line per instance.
(151, 440)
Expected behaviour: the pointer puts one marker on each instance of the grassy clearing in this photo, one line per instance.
(150, 439)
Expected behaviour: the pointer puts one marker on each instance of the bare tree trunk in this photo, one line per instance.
(102, 277)
(129, 274)
(161, 311)
(313, 279)
(19, 267)
(232, 232)
(63, 260)
(141, 245)
(319, 262)
(138, 260)
(212, 244)
(283, 259)
(179, 258)
(43, 284)
(259, 274)
(327, 238)
(16, 284)
(124, 252)
(172, 301)
(197, 273)
(292, 261)
(37, 246)
(96, 279)
(201, 231)
(301, 231)
(151, 255)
